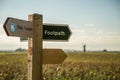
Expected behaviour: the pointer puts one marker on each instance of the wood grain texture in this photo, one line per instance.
(37, 47)
(53, 56)
(22, 28)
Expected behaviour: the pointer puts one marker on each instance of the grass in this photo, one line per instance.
(13, 66)
(13, 58)
(77, 66)
(94, 57)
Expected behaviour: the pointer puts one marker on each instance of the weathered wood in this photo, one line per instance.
(29, 58)
(37, 47)
(53, 56)
(17, 27)
(30, 45)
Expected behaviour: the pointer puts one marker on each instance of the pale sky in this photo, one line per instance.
(95, 23)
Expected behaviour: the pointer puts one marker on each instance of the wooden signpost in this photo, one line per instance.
(36, 32)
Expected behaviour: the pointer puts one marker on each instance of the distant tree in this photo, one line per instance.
(20, 50)
(105, 50)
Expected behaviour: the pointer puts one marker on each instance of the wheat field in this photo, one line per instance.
(77, 66)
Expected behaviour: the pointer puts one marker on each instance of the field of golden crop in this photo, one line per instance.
(77, 66)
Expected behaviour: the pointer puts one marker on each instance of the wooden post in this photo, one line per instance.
(29, 58)
(30, 46)
(37, 46)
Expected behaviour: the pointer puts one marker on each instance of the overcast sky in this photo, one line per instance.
(95, 23)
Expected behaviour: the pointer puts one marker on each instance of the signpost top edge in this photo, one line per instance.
(15, 19)
(52, 24)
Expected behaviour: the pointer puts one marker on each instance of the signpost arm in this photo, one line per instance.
(37, 47)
